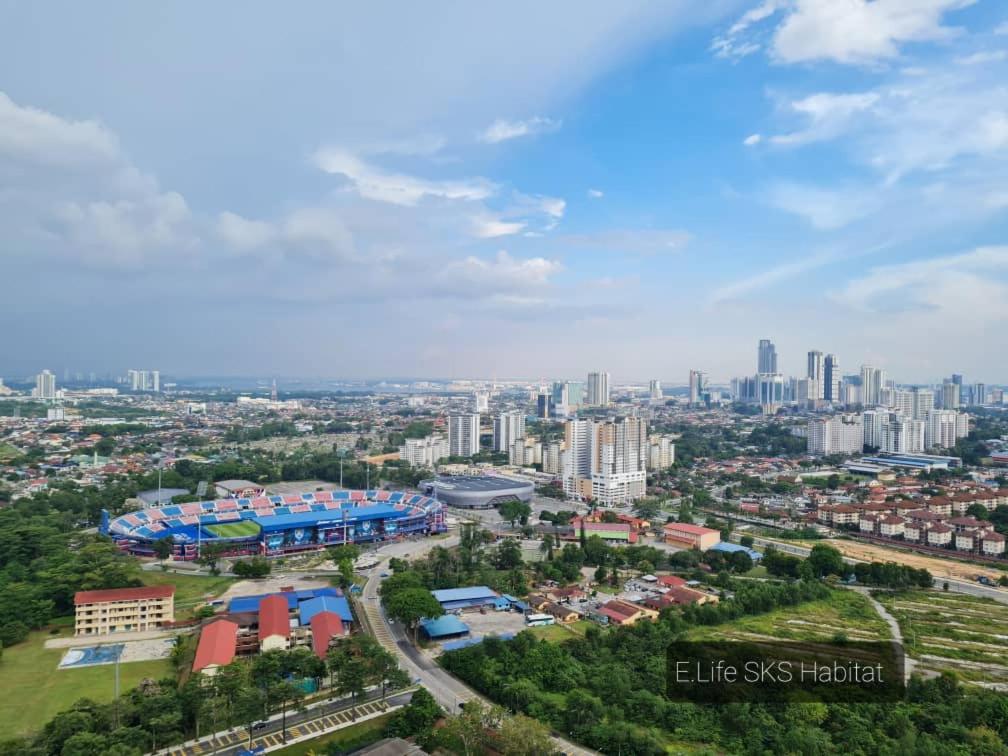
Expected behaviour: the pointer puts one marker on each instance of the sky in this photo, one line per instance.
(515, 190)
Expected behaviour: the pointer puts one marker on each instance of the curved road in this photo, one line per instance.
(446, 689)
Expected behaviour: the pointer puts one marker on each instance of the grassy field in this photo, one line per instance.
(844, 612)
(33, 689)
(558, 633)
(354, 736)
(241, 529)
(950, 631)
(8, 452)
(190, 590)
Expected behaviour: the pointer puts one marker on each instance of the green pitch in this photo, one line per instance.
(241, 529)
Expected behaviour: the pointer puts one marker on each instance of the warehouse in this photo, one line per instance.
(456, 599)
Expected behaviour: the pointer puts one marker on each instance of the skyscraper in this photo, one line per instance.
(980, 394)
(872, 382)
(598, 389)
(696, 385)
(619, 452)
(767, 360)
(463, 435)
(654, 390)
(923, 403)
(831, 378)
(816, 373)
(508, 427)
(950, 394)
(45, 386)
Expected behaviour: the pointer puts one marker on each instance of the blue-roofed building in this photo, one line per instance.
(243, 604)
(730, 548)
(452, 599)
(336, 604)
(446, 626)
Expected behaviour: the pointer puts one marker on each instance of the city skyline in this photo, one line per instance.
(653, 188)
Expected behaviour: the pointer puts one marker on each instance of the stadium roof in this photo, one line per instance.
(251, 603)
(335, 604)
(444, 626)
(464, 594)
(310, 519)
(124, 594)
(479, 483)
(274, 618)
(217, 645)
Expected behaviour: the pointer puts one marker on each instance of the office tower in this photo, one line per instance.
(508, 427)
(831, 378)
(696, 386)
(944, 427)
(872, 382)
(957, 379)
(463, 435)
(654, 390)
(575, 394)
(481, 401)
(424, 452)
(661, 452)
(619, 452)
(980, 394)
(923, 402)
(805, 391)
(902, 435)
(816, 372)
(840, 434)
(543, 406)
(45, 386)
(767, 360)
(950, 395)
(598, 389)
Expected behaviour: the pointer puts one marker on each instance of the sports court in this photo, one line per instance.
(90, 656)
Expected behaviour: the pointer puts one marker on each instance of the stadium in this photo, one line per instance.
(270, 525)
(476, 491)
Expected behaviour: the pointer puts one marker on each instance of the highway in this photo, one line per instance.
(957, 586)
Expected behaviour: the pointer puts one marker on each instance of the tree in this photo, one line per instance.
(411, 605)
(523, 736)
(163, 548)
(466, 733)
(826, 560)
(515, 511)
(740, 561)
(210, 554)
(509, 555)
(747, 541)
(285, 694)
(416, 719)
(647, 509)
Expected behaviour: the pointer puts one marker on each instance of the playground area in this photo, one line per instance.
(109, 653)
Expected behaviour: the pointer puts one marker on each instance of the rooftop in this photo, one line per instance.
(124, 594)
(216, 645)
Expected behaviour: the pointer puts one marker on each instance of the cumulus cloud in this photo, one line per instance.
(842, 31)
(487, 227)
(502, 130)
(501, 273)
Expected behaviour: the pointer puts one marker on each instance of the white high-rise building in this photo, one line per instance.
(424, 452)
(655, 390)
(155, 381)
(508, 427)
(144, 380)
(619, 452)
(901, 435)
(598, 389)
(552, 458)
(661, 452)
(577, 456)
(944, 428)
(840, 434)
(872, 382)
(923, 403)
(696, 385)
(872, 421)
(45, 386)
(816, 372)
(831, 378)
(767, 360)
(901, 401)
(950, 395)
(770, 392)
(463, 435)
(525, 452)
(481, 402)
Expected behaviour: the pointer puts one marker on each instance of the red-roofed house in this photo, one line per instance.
(274, 623)
(325, 627)
(671, 581)
(123, 610)
(618, 612)
(216, 647)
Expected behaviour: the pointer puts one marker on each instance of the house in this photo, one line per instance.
(326, 627)
(274, 624)
(562, 613)
(617, 612)
(891, 526)
(964, 539)
(912, 531)
(992, 544)
(693, 536)
(536, 601)
(868, 523)
(216, 647)
(939, 535)
(568, 593)
(671, 581)
(940, 505)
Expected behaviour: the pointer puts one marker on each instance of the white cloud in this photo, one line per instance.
(243, 233)
(31, 134)
(770, 276)
(969, 284)
(502, 273)
(752, 139)
(842, 31)
(489, 227)
(374, 183)
(595, 194)
(984, 56)
(825, 209)
(502, 130)
(827, 115)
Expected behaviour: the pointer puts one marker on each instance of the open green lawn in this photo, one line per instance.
(190, 590)
(8, 452)
(240, 529)
(844, 612)
(33, 689)
(354, 736)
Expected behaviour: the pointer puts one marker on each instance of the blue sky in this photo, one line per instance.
(514, 191)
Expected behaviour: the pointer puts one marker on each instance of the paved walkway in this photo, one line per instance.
(894, 628)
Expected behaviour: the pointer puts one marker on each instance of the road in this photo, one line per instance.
(956, 586)
(446, 689)
(894, 628)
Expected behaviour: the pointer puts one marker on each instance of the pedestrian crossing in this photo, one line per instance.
(310, 728)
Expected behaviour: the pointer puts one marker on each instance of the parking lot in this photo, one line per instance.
(493, 623)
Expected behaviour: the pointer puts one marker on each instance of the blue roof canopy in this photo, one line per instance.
(444, 626)
(465, 594)
(336, 604)
(243, 604)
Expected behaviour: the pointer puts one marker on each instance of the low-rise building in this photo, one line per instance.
(123, 610)
(694, 536)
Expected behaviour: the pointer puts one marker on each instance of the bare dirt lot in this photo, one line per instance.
(271, 584)
(940, 568)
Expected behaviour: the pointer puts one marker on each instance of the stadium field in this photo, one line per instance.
(241, 529)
